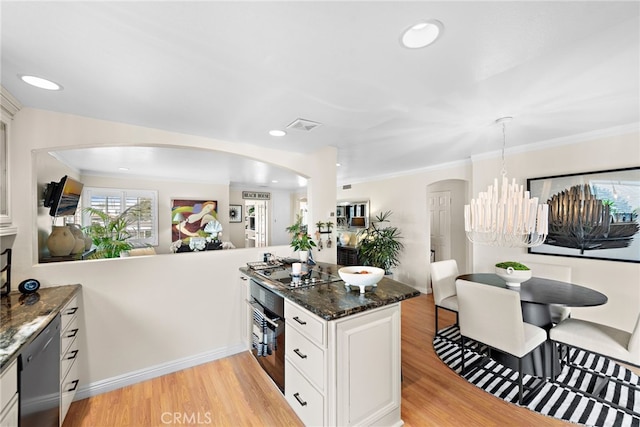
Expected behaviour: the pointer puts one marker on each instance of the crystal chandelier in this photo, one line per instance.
(509, 218)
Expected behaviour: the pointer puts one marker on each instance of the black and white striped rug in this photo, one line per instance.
(554, 400)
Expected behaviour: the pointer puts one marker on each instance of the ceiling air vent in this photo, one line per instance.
(303, 124)
(346, 187)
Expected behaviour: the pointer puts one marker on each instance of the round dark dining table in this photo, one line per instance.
(536, 295)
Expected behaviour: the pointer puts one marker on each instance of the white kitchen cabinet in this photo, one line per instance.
(345, 371)
(9, 396)
(307, 402)
(69, 354)
(367, 367)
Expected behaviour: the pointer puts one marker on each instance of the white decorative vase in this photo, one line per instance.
(513, 277)
(79, 246)
(304, 255)
(61, 241)
(344, 239)
(79, 236)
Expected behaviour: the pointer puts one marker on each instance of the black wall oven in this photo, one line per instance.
(268, 332)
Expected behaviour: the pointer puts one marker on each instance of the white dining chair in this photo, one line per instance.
(600, 339)
(603, 340)
(493, 316)
(553, 272)
(443, 283)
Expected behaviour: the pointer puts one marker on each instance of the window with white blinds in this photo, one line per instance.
(113, 201)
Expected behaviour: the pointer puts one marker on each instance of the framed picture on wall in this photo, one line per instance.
(190, 217)
(235, 213)
(591, 214)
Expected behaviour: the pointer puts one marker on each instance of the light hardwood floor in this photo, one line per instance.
(235, 392)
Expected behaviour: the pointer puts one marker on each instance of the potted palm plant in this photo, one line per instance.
(379, 245)
(109, 233)
(300, 240)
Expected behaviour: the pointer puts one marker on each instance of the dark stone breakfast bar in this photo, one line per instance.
(334, 300)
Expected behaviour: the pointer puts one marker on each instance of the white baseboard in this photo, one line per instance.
(135, 377)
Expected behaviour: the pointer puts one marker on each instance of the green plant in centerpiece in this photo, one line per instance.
(512, 264)
(379, 246)
(300, 240)
(110, 234)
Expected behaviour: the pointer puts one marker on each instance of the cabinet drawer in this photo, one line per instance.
(306, 356)
(8, 384)
(310, 325)
(68, 312)
(9, 416)
(305, 400)
(68, 358)
(68, 335)
(68, 388)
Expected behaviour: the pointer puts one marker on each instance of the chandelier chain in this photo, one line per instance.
(504, 145)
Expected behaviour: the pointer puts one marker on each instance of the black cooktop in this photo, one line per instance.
(310, 276)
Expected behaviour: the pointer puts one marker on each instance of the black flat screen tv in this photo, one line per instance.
(62, 197)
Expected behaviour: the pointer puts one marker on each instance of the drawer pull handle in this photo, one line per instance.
(300, 401)
(297, 319)
(74, 385)
(297, 351)
(72, 333)
(74, 353)
(71, 311)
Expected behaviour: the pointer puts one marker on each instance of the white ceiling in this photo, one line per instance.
(235, 70)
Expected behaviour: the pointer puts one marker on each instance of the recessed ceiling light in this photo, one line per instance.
(337, 164)
(277, 132)
(422, 34)
(41, 83)
(275, 181)
(123, 169)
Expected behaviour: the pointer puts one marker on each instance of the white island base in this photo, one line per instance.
(344, 372)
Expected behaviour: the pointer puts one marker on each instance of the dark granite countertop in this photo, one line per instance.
(23, 317)
(334, 300)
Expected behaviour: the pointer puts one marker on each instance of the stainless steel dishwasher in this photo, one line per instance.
(39, 376)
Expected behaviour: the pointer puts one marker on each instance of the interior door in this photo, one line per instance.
(261, 224)
(440, 214)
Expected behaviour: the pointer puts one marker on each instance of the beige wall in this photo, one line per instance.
(147, 312)
(406, 196)
(143, 315)
(620, 281)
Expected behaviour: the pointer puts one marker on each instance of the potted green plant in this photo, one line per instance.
(300, 240)
(109, 233)
(379, 246)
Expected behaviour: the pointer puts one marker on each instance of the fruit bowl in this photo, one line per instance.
(361, 276)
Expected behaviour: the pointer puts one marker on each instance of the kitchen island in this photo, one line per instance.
(342, 348)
